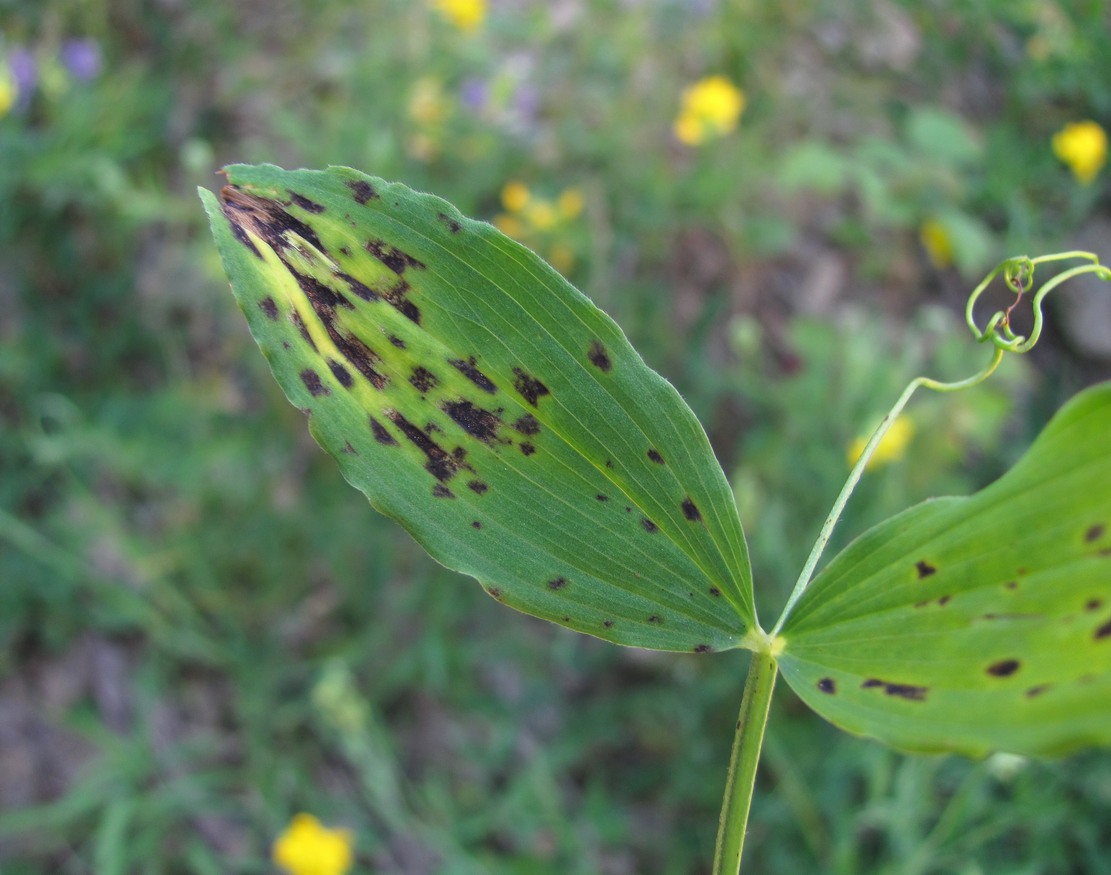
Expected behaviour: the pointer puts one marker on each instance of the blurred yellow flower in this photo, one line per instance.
(8, 90)
(539, 222)
(541, 215)
(464, 14)
(426, 101)
(514, 196)
(891, 448)
(307, 847)
(509, 225)
(709, 108)
(570, 203)
(1083, 147)
(936, 240)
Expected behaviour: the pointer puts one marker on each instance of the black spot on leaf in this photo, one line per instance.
(655, 620)
(381, 434)
(305, 204)
(397, 341)
(470, 370)
(715, 592)
(924, 569)
(475, 421)
(423, 380)
(495, 592)
(599, 357)
(324, 298)
(609, 463)
(348, 449)
(1011, 584)
(477, 487)
(396, 297)
(241, 235)
(341, 374)
(295, 317)
(1036, 691)
(268, 307)
(906, 691)
(1103, 631)
(452, 225)
(649, 526)
(1094, 533)
(601, 497)
(441, 491)
(311, 379)
(1093, 604)
(872, 682)
(265, 218)
(476, 524)
(944, 600)
(528, 387)
(392, 257)
(1004, 668)
(359, 289)
(362, 190)
(655, 456)
(527, 425)
(344, 251)
(691, 511)
(608, 624)
(557, 584)
(827, 685)
(527, 448)
(703, 648)
(440, 465)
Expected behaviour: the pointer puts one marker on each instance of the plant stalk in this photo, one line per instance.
(741, 778)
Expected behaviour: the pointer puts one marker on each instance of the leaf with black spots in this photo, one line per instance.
(980, 623)
(479, 399)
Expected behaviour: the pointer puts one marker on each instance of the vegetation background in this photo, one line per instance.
(203, 630)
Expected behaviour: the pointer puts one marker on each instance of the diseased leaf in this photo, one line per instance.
(479, 399)
(975, 624)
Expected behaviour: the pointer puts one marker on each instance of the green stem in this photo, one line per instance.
(858, 470)
(739, 782)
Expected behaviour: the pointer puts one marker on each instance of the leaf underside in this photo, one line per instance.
(476, 397)
(975, 624)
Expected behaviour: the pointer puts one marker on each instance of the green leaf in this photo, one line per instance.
(479, 399)
(980, 623)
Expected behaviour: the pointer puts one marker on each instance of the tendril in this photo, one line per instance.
(1018, 275)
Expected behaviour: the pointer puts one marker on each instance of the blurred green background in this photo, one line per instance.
(203, 630)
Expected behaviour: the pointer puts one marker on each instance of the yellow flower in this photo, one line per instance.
(1083, 147)
(307, 847)
(514, 196)
(8, 90)
(709, 108)
(464, 14)
(541, 215)
(427, 105)
(561, 257)
(891, 448)
(937, 243)
(510, 226)
(570, 203)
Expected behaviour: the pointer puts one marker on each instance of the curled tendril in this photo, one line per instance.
(1018, 275)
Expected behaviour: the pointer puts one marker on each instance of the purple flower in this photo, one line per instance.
(473, 93)
(82, 58)
(25, 72)
(527, 102)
